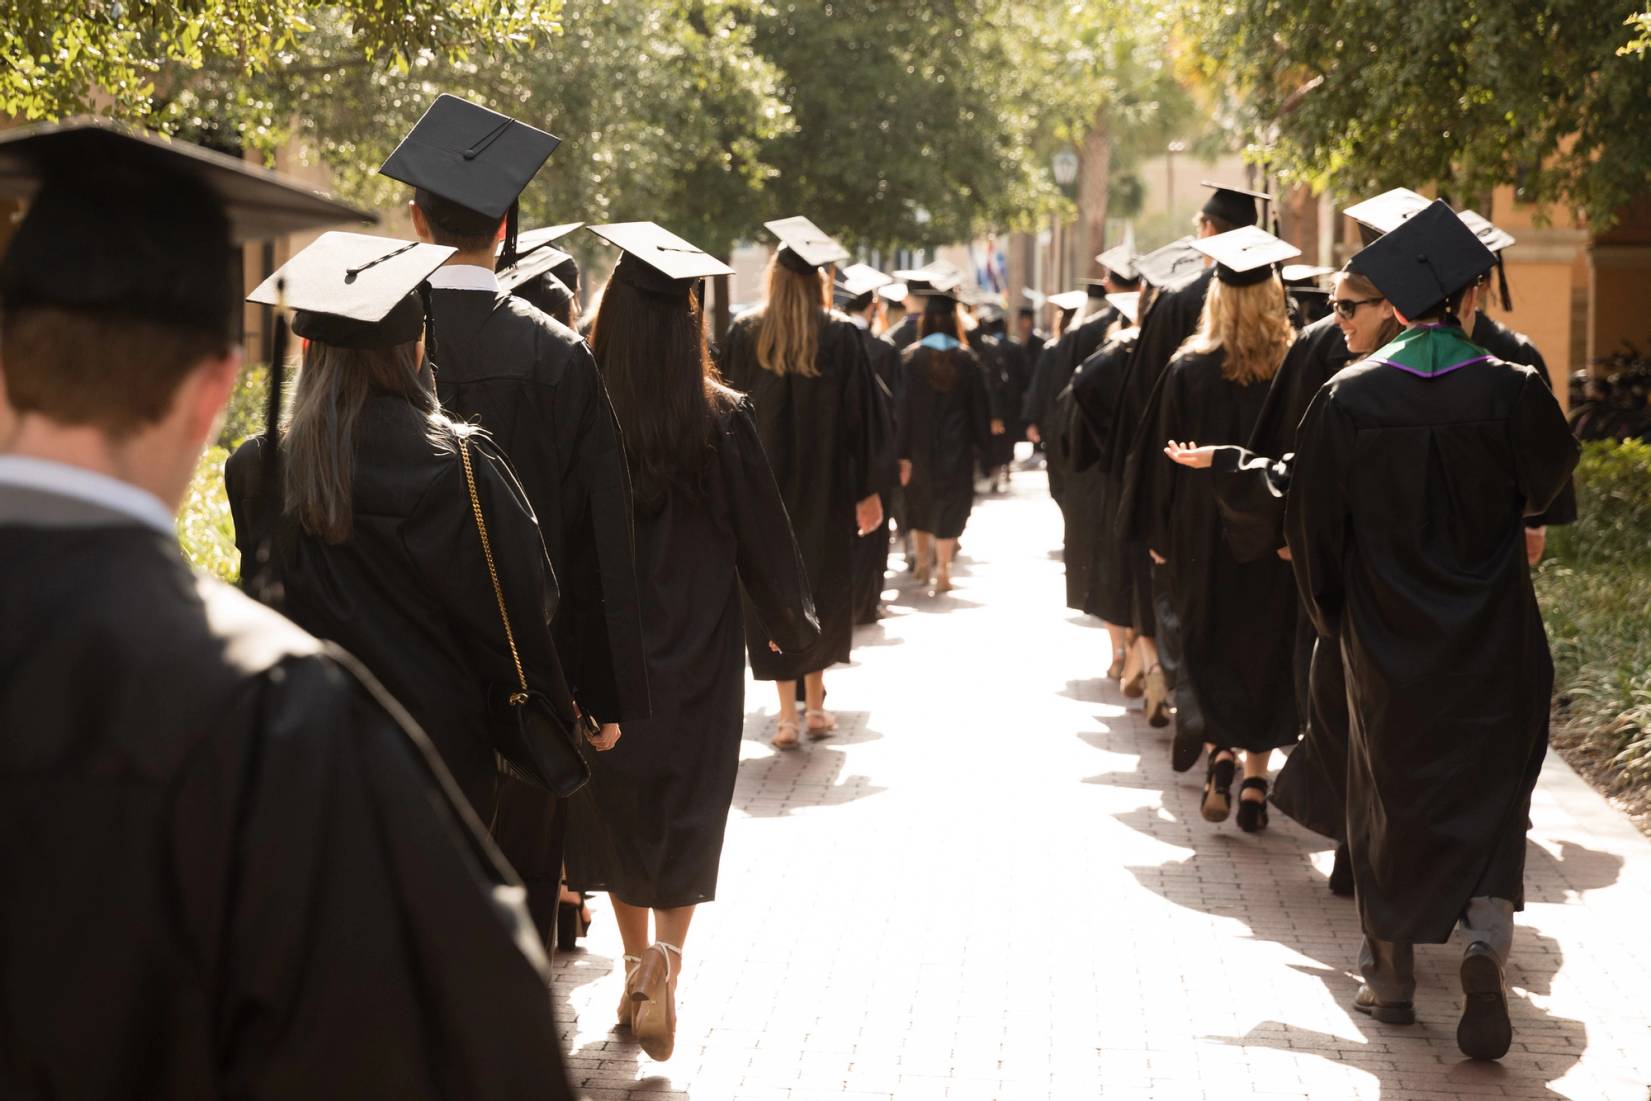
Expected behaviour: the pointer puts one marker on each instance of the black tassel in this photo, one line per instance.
(512, 223)
(263, 584)
(1502, 283)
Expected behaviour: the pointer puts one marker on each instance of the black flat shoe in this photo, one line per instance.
(1388, 1013)
(1252, 813)
(1185, 749)
(1218, 786)
(1341, 873)
(1484, 1031)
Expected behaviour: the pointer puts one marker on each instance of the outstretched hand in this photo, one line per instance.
(1190, 454)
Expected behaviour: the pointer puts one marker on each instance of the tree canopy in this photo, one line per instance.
(1357, 96)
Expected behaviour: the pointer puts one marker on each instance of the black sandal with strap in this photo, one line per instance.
(1218, 786)
(1252, 813)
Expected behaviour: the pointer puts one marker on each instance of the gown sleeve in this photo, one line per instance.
(603, 616)
(980, 412)
(1249, 492)
(868, 435)
(770, 566)
(369, 941)
(1562, 509)
(1544, 449)
(1317, 521)
(1160, 479)
(442, 541)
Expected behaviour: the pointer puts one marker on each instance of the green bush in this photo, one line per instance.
(1595, 588)
(205, 531)
(244, 415)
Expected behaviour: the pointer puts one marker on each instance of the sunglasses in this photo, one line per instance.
(1347, 307)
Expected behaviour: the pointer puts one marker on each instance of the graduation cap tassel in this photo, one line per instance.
(1502, 284)
(512, 224)
(263, 585)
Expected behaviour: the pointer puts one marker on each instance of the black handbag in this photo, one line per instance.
(534, 740)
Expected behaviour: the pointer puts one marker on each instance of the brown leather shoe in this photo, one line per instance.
(1388, 1013)
(654, 1000)
(1484, 1031)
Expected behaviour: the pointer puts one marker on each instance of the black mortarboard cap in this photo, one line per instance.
(355, 290)
(1069, 300)
(663, 263)
(535, 255)
(121, 221)
(1302, 275)
(1120, 262)
(939, 281)
(1234, 205)
(1246, 255)
(1495, 238)
(804, 246)
(894, 292)
(531, 240)
(470, 155)
(1424, 261)
(1173, 262)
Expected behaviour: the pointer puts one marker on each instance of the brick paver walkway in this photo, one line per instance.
(991, 885)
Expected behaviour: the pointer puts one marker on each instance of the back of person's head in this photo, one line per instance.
(648, 337)
(789, 320)
(107, 343)
(456, 226)
(1249, 324)
(941, 315)
(319, 436)
(550, 295)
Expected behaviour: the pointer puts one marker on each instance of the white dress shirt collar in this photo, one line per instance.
(464, 277)
(65, 480)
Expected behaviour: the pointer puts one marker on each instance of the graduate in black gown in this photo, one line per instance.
(1250, 487)
(1094, 396)
(373, 534)
(945, 429)
(1237, 618)
(529, 381)
(710, 525)
(858, 298)
(1001, 367)
(234, 866)
(1167, 323)
(1414, 471)
(533, 277)
(814, 397)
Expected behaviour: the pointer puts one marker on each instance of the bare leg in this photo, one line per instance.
(672, 925)
(819, 721)
(946, 548)
(633, 925)
(1119, 637)
(1255, 766)
(920, 550)
(785, 733)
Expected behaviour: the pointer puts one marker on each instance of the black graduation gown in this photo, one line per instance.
(1171, 317)
(821, 437)
(1515, 347)
(233, 867)
(1237, 618)
(904, 334)
(1404, 519)
(1117, 583)
(532, 384)
(649, 826)
(1003, 395)
(408, 592)
(871, 551)
(943, 434)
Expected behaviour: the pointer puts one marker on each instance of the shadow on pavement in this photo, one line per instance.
(811, 775)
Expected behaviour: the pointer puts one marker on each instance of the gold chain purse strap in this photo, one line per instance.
(520, 697)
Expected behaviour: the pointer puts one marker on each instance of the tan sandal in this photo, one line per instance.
(785, 734)
(654, 1002)
(826, 725)
(627, 1007)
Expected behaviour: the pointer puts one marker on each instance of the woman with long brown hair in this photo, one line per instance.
(1238, 617)
(944, 429)
(710, 525)
(373, 531)
(812, 390)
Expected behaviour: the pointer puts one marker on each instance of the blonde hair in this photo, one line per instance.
(1358, 286)
(788, 321)
(1249, 324)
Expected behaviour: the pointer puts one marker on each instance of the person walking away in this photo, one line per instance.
(529, 381)
(813, 395)
(234, 865)
(1411, 554)
(945, 429)
(710, 525)
(1238, 617)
